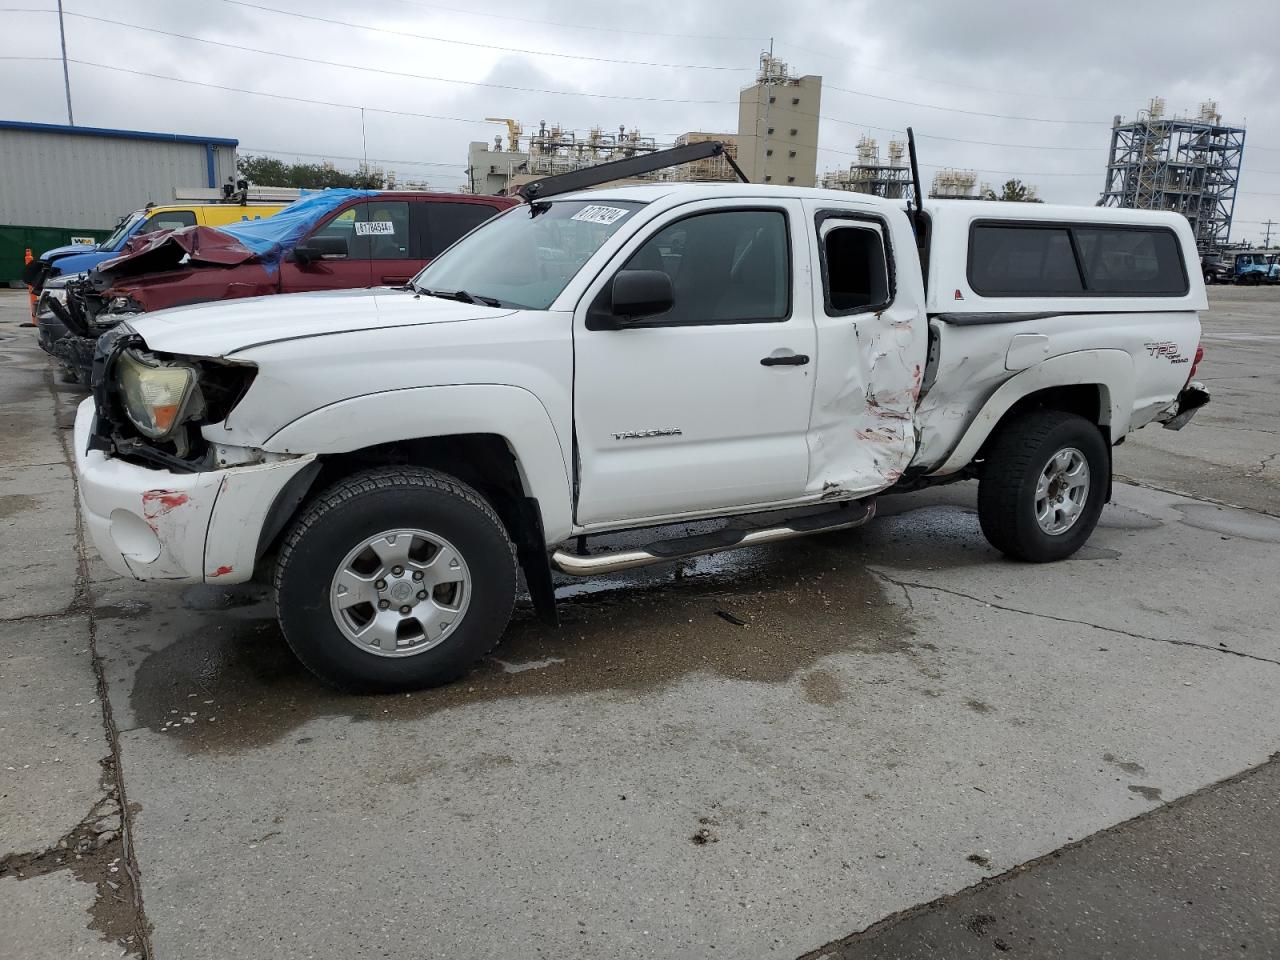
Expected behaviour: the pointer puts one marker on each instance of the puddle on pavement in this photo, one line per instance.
(234, 684)
(1230, 522)
(15, 503)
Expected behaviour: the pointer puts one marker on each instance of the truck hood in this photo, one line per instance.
(65, 251)
(222, 329)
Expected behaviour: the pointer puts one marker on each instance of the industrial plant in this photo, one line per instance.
(776, 141)
(1190, 165)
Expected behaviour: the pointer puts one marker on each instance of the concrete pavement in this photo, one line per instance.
(767, 753)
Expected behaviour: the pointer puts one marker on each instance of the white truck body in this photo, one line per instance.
(646, 423)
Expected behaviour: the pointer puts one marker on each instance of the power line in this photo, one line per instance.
(339, 156)
(579, 26)
(467, 43)
(391, 73)
(970, 113)
(949, 83)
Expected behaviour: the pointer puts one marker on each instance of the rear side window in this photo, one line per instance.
(439, 225)
(1022, 261)
(855, 274)
(1131, 261)
(1025, 260)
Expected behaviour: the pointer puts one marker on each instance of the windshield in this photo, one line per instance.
(527, 256)
(122, 228)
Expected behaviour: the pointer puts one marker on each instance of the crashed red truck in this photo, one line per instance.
(767, 358)
(330, 240)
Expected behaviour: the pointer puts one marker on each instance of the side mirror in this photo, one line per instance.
(318, 248)
(641, 293)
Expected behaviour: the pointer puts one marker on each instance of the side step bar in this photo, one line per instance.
(742, 533)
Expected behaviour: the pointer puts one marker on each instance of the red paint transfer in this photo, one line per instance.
(156, 503)
(220, 572)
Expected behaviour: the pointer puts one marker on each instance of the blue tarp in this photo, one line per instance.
(270, 237)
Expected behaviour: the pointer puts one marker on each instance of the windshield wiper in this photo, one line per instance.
(463, 297)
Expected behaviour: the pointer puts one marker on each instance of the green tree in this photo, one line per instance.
(1014, 190)
(270, 172)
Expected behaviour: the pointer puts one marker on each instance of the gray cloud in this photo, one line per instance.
(1084, 60)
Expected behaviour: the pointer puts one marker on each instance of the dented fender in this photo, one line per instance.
(1111, 370)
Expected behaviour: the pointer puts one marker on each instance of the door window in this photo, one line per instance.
(387, 229)
(855, 275)
(342, 225)
(731, 266)
(169, 220)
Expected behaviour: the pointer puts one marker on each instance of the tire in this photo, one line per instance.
(1007, 489)
(430, 514)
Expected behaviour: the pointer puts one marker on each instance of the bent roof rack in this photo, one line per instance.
(622, 169)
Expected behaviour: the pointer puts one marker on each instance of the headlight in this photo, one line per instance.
(156, 395)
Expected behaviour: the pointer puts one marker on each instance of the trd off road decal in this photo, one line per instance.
(1167, 349)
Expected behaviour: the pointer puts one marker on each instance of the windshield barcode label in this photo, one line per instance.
(375, 228)
(598, 214)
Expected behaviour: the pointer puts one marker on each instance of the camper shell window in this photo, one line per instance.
(1014, 258)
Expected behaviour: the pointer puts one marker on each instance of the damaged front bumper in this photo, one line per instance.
(1179, 413)
(155, 524)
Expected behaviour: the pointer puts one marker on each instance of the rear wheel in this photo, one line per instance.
(395, 579)
(1042, 486)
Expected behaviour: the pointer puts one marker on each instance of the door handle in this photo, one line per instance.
(396, 281)
(786, 360)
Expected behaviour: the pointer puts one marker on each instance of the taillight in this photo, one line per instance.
(1196, 362)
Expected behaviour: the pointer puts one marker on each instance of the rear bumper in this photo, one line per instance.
(187, 527)
(1179, 413)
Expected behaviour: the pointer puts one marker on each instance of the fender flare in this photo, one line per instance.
(513, 413)
(1110, 370)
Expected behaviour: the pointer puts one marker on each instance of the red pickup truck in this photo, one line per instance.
(330, 240)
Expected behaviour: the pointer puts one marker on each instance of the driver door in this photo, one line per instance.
(334, 271)
(704, 408)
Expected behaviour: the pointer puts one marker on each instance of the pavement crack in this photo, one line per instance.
(1146, 485)
(910, 584)
(138, 939)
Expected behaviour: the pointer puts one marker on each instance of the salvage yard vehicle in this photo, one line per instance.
(331, 240)
(77, 258)
(764, 357)
(1255, 268)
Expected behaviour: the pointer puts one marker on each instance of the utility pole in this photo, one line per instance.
(66, 73)
(1266, 244)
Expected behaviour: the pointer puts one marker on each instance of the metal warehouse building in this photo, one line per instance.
(59, 182)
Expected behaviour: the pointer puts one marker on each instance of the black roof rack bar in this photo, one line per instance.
(623, 169)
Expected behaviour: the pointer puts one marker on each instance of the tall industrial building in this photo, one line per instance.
(1190, 165)
(869, 174)
(778, 126)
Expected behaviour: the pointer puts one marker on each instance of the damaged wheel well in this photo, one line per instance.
(1086, 400)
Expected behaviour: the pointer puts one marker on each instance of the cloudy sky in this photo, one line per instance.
(1008, 74)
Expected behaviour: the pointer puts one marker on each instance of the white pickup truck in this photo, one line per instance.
(627, 358)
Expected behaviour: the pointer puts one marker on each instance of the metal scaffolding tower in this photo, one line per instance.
(891, 180)
(1187, 165)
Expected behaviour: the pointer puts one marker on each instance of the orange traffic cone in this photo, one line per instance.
(31, 294)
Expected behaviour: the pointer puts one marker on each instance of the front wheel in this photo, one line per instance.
(1042, 486)
(395, 579)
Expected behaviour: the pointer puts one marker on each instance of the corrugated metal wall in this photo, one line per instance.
(65, 180)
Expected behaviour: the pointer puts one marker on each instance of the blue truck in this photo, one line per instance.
(80, 257)
(1255, 268)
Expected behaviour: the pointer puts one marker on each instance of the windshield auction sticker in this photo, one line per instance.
(599, 214)
(374, 228)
